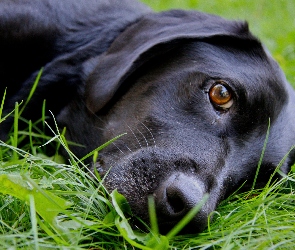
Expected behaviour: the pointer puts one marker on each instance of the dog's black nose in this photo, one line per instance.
(175, 198)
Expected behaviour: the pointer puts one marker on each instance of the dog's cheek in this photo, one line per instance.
(136, 183)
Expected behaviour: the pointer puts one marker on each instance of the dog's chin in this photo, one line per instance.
(195, 226)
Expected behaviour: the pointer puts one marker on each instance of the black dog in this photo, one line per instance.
(194, 92)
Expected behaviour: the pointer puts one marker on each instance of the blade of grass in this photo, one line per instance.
(15, 130)
(2, 104)
(32, 91)
(43, 118)
(30, 136)
(102, 146)
(152, 215)
(34, 221)
(58, 141)
(279, 166)
(261, 156)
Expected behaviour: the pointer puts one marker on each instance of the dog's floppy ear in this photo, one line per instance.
(149, 37)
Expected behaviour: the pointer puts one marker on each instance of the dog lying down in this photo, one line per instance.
(195, 94)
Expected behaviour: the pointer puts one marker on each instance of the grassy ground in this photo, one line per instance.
(46, 203)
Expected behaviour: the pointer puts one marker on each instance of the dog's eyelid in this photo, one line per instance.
(227, 105)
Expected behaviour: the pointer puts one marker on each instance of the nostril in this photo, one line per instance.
(174, 201)
(175, 197)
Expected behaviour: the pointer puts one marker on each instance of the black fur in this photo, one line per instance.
(114, 66)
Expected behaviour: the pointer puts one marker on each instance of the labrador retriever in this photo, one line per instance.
(197, 95)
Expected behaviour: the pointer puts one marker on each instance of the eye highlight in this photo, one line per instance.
(221, 95)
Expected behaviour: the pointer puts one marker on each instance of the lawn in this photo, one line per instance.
(51, 203)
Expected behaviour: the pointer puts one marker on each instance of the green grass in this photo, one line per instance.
(49, 203)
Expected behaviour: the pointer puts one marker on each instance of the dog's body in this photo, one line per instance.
(194, 92)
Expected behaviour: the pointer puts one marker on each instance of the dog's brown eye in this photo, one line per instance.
(221, 96)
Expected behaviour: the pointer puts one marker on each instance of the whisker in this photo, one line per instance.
(128, 148)
(135, 136)
(119, 148)
(150, 132)
(146, 141)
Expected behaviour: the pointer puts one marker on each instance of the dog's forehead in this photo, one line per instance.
(227, 61)
(251, 70)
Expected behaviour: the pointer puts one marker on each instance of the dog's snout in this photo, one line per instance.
(175, 198)
(181, 194)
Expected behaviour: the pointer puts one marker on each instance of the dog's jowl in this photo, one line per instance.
(195, 94)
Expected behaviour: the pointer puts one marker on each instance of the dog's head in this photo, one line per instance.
(197, 96)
